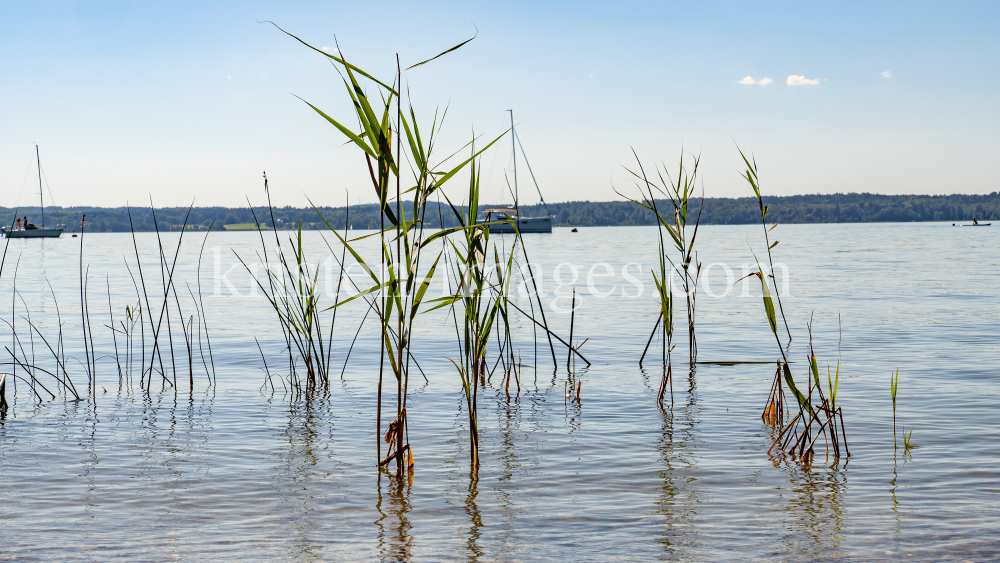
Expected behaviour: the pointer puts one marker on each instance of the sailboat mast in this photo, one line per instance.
(514, 149)
(40, 191)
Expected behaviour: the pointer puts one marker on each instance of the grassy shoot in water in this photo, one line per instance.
(893, 386)
(832, 383)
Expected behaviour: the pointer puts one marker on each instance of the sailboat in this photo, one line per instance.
(30, 230)
(542, 224)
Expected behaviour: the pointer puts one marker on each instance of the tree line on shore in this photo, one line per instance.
(832, 208)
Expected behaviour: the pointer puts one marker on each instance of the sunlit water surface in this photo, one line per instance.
(232, 471)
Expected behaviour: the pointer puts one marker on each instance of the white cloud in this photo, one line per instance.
(799, 80)
(749, 80)
(331, 50)
(887, 74)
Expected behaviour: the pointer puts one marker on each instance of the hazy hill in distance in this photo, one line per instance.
(833, 208)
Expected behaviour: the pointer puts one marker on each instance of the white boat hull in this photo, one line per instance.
(33, 233)
(525, 225)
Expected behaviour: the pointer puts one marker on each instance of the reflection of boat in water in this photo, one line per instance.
(510, 215)
(30, 230)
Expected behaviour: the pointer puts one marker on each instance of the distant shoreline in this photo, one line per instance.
(833, 208)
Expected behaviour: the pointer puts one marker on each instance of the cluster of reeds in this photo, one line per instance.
(24, 363)
(153, 358)
(817, 414)
(292, 294)
(672, 225)
(481, 295)
(402, 274)
(160, 315)
(674, 222)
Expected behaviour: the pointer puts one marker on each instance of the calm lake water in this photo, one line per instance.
(236, 472)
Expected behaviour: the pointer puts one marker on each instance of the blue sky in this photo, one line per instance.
(183, 101)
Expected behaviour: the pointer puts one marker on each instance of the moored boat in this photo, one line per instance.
(504, 218)
(30, 230)
(509, 216)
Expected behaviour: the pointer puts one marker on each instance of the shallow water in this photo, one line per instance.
(234, 471)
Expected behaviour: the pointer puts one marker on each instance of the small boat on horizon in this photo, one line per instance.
(22, 228)
(976, 223)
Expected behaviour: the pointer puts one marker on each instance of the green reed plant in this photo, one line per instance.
(817, 416)
(114, 331)
(774, 408)
(291, 292)
(750, 175)
(907, 444)
(403, 276)
(168, 287)
(679, 191)
(672, 222)
(833, 382)
(126, 328)
(674, 227)
(85, 320)
(481, 295)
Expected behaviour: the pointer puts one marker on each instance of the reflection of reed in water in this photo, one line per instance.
(475, 519)
(91, 460)
(297, 466)
(298, 462)
(572, 389)
(511, 445)
(678, 445)
(814, 511)
(394, 540)
(897, 516)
